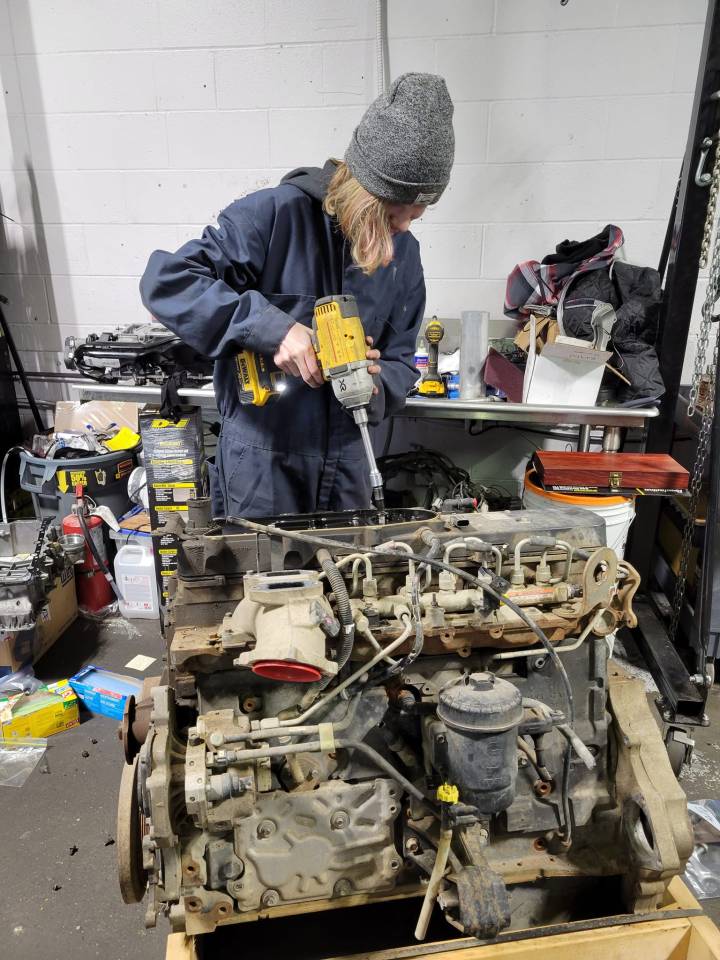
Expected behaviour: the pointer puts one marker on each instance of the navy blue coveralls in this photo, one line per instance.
(243, 285)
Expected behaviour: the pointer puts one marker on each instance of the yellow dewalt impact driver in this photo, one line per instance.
(339, 342)
(432, 384)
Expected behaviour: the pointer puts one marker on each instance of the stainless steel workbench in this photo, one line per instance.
(417, 407)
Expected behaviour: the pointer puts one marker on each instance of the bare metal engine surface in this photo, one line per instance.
(260, 795)
(340, 835)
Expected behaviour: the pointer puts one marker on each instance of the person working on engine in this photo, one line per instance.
(252, 282)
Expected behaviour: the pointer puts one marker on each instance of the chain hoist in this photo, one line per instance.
(703, 383)
(714, 183)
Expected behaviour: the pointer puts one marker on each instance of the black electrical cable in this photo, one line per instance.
(385, 766)
(565, 794)
(342, 601)
(271, 530)
(428, 463)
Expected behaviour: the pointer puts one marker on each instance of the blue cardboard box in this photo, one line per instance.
(102, 691)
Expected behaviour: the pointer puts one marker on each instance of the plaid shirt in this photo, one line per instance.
(532, 283)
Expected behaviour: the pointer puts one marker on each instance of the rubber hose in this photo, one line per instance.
(342, 601)
(97, 557)
(3, 507)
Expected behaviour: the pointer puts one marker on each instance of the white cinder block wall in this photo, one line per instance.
(128, 126)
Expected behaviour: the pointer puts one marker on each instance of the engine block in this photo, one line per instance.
(422, 708)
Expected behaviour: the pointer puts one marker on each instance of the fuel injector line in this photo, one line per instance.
(338, 545)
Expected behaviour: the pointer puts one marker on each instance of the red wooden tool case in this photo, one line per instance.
(631, 473)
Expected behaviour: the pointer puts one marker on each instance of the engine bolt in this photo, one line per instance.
(266, 828)
(216, 738)
(411, 845)
(542, 788)
(271, 898)
(339, 820)
(343, 888)
(249, 705)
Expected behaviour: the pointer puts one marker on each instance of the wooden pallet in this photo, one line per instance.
(679, 932)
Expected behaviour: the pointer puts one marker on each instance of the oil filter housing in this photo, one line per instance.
(482, 714)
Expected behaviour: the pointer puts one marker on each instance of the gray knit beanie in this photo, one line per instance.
(402, 150)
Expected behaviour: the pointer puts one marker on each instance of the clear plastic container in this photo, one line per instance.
(474, 343)
(135, 576)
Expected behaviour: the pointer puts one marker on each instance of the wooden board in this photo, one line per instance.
(646, 473)
(180, 947)
(669, 937)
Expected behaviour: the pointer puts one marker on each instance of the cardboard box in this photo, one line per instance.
(176, 473)
(567, 373)
(20, 647)
(545, 330)
(102, 691)
(99, 414)
(51, 709)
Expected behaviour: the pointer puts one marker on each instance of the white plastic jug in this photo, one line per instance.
(135, 576)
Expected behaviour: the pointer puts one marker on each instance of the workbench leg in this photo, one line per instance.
(612, 439)
(584, 438)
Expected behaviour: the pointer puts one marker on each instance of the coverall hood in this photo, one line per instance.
(313, 181)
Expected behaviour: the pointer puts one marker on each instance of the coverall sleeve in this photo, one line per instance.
(205, 291)
(397, 367)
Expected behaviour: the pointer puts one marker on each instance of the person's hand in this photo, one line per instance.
(373, 354)
(296, 356)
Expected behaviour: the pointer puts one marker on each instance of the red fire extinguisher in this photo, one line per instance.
(94, 591)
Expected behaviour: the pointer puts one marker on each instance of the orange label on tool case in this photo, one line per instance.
(124, 468)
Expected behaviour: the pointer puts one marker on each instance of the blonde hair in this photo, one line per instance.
(363, 220)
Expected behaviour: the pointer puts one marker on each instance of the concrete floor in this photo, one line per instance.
(57, 858)
(60, 903)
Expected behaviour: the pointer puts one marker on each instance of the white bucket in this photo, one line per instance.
(135, 576)
(617, 512)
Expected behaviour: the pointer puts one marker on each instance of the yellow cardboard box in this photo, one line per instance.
(51, 709)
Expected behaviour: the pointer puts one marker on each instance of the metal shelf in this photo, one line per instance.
(527, 412)
(417, 407)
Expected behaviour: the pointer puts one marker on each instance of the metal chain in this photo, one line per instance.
(712, 201)
(702, 373)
